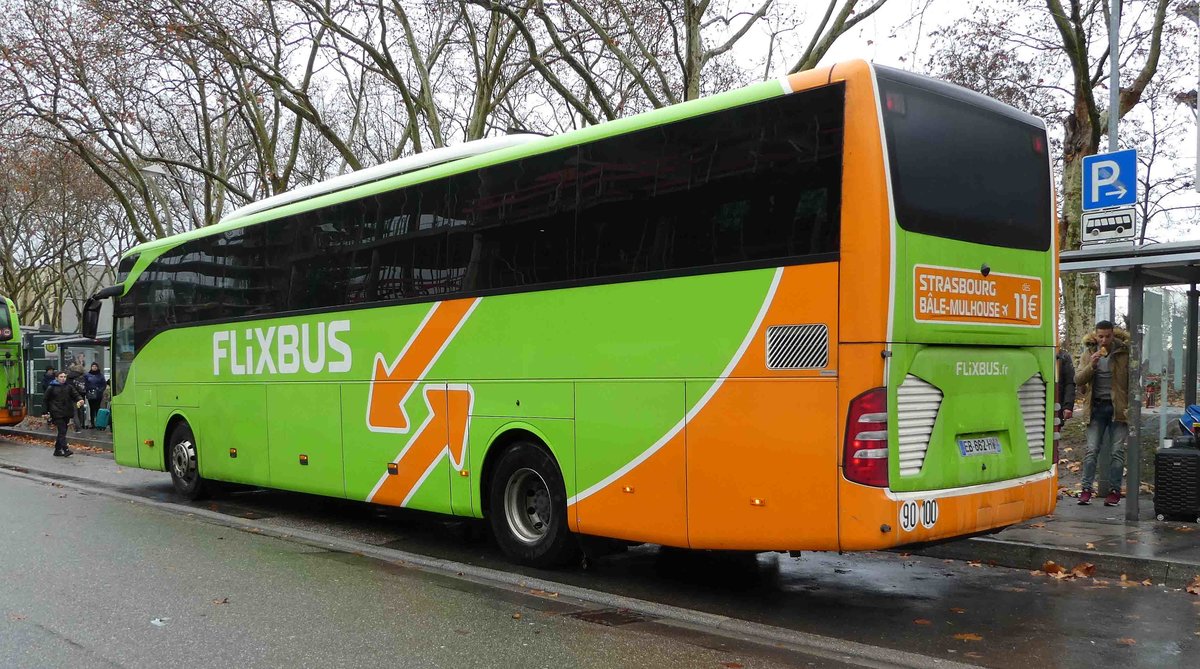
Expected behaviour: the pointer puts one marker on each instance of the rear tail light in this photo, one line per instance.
(865, 457)
(15, 399)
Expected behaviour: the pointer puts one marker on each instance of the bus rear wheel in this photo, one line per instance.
(181, 460)
(528, 508)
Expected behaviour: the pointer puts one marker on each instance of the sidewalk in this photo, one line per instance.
(37, 428)
(1165, 552)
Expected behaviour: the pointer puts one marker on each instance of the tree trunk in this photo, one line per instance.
(1079, 290)
(693, 13)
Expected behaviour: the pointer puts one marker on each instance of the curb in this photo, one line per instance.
(1022, 555)
(102, 444)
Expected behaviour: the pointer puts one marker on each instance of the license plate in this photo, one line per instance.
(979, 446)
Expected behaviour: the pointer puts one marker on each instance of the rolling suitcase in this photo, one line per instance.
(103, 417)
(1177, 483)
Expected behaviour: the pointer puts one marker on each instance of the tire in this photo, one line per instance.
(183, 464)
(528, 510)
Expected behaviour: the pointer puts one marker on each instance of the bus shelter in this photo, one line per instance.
(59, 350)
(1161, 315)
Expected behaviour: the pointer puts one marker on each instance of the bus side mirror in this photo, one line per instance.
(91, 310)
(91, 317)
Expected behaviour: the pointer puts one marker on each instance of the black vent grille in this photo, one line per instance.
(797, 346)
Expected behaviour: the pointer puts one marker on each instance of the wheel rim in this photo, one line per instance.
(527, 506)
(183, 461)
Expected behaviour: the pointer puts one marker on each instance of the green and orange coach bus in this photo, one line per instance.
(12, 366)
(811, 314)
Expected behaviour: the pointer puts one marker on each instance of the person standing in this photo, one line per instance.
(1103, 383)
(48, 378)
(1064, 395)
(93, 383)
(62, 402)
(75, 377)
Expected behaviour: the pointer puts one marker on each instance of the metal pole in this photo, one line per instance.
(1189, 370)
(1133, 442)
(1114, 75)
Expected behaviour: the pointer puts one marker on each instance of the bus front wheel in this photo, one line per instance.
(528, 508)
(181, 459)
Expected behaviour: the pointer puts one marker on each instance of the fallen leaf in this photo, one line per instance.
(1084, 570)
(958, 610)
(1147, 582)
(18, 616)
(973, 655)
(1194, 586)
(1091, 546)
(974, 563)
(1185, 528)
(223, 600)
(922, 621)
(968, 636)
(516, 616)
(732, 665)
(1050, 567)
(1126, 642)
(1038, 525)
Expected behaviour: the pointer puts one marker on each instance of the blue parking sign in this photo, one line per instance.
(1110, 179)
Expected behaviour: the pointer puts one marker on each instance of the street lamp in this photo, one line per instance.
(152, 172)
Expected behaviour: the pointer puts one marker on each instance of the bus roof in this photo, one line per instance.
(450, 160)
(384, 170)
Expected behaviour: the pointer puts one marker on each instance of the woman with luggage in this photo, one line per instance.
(94, 383)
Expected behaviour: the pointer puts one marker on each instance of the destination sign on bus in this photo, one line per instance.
(953, 295)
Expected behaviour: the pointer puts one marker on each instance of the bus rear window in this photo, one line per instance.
(6, 332)
(964, 166)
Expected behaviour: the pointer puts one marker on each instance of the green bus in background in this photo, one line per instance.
(12, 366)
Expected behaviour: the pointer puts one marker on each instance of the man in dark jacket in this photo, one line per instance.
(62, 401)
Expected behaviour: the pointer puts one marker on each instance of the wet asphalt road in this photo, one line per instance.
(951, 610)
(92, 581)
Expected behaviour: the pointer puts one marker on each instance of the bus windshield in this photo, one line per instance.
(964, 166)
(6, 329)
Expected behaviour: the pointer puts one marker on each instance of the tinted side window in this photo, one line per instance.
(754, 183)
(522, 218)
(759, 183)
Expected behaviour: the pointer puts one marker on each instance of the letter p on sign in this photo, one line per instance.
(1110, 180)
